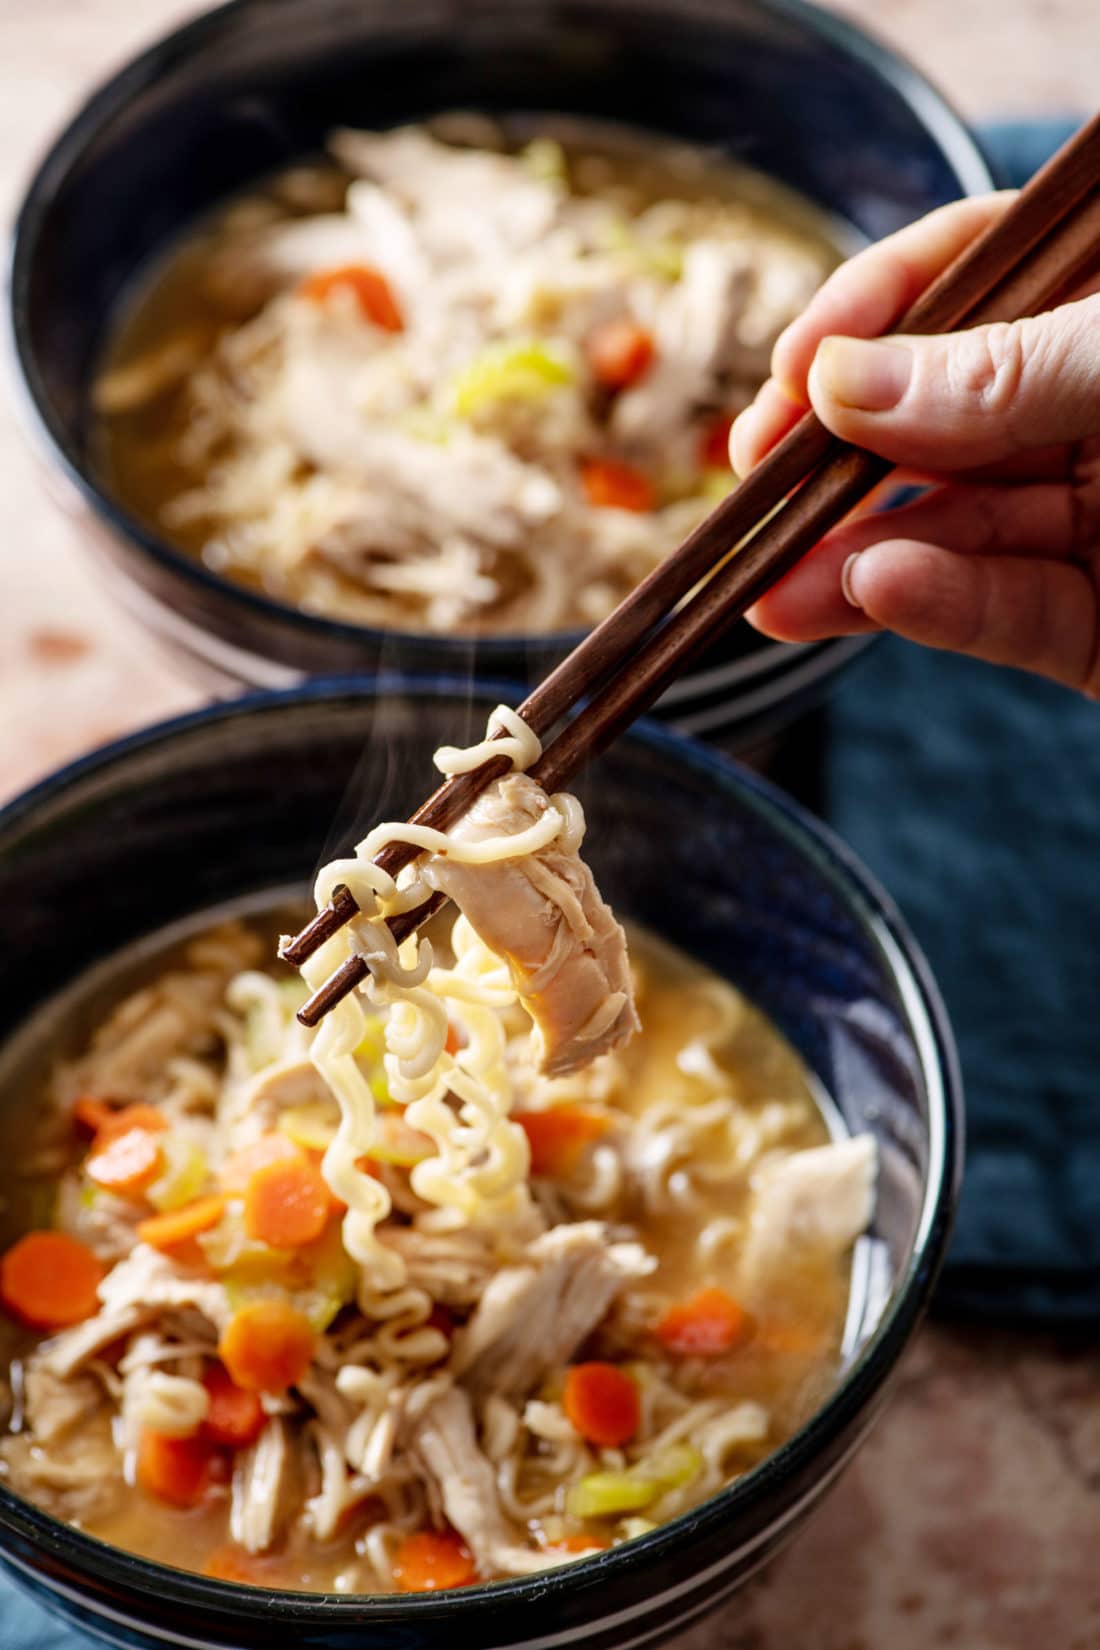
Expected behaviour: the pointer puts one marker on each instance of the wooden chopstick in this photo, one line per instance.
(1036, 252)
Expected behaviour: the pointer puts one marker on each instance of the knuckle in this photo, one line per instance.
(987, 370)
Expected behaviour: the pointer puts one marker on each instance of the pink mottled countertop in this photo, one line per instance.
(971, 1518)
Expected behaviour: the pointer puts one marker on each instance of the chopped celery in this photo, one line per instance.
(294, 992)
(89, 1193)
(717, 483)
(605, 1494)
(372, 1044)
(663, 258)
(424, 423)
(184, 1174)
(258, 1045)
(311, 1126)
(523, 371)
(319, 1281)
(397, 1143)
(380, 1087)
(544, 158)
(673, 1467)
(230, 1250)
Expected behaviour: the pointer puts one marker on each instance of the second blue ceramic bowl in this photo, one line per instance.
(796, 92)
(250, 797)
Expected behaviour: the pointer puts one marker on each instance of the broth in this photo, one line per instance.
(327, 461)
(707, 1095)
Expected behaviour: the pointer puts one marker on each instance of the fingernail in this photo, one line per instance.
(741, 433)
(869, 377)
(846, 582)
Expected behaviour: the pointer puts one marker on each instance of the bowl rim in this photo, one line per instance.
(847, 1409)
(933, 110)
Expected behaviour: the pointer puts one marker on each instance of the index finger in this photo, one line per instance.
(866, 296)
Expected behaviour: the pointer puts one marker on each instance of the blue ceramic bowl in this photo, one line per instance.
(793, 91)
(242, 798)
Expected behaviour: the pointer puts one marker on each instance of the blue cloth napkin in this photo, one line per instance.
(975, 795)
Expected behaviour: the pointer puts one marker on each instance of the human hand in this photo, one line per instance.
(1000, 560)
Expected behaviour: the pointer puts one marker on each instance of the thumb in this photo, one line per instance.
(965, 398)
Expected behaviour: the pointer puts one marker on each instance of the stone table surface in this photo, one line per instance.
(971, 1518)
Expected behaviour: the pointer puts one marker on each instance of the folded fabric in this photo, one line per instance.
(974, 794)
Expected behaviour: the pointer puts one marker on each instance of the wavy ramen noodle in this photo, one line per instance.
(524, 1251)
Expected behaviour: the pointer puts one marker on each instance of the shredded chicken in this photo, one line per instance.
(78, 1477)
(53, 1405)
(264, 1488)
(378, 467)
(820, 1199)
(447, 1444)
(103, 1222)
(147, 1279)
(544, 914)
(533, 1318)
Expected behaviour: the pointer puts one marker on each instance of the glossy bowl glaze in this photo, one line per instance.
(777, 84)
(247, 797)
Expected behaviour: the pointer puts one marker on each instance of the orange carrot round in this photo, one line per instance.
(369, 287)
(91, 1114)
(714, 443)
(135, 1116)
(126, 1162)
(558, 1136)
(579, 1544)
(49, 1280)
(603, 1403)
(175, 1229)
(236, 1416)
(611, 485)
(286, 1204)
(176, 1470)
(432, 1560)
(709, 1323)
(618, 352)
(232, 1563)
(267, 1346)
(238, 1169)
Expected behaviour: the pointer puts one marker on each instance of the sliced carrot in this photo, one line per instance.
(91, 1114)
(267, 1346)
(174, 1230)
(619, 352)
(232, 1563)
(557, 1137)
(370, 288)
(286, 1204)
(432, 1560)
(603, 1403)
(136, 1116)
(704, 1326)
(453, 1041)
(579, 1544)
(611, 485)
(238, 1169)
(714, 443)
(176, 1470)
(126, 1162)
(236, 1416)
(49, 1280)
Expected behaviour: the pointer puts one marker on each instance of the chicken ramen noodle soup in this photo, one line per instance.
(453, 381)
(526, 1250)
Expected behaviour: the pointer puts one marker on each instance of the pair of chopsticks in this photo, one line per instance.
(1032, 258)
